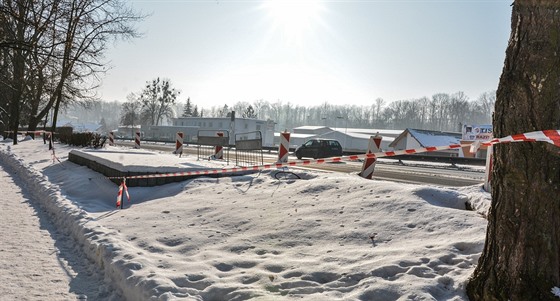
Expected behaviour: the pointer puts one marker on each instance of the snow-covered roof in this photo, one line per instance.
(430, 138)
(296, 135)
(309, 127)
(369, 132)
(367, 136)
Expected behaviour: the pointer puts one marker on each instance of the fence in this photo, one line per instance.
(249, 149)
(209, 143)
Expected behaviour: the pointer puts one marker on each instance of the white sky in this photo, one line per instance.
(309, 52)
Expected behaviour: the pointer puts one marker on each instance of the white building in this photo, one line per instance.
(238, 128)
(414, 138)
(351, 139)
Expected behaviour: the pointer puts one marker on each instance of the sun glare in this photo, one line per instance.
(294, 18)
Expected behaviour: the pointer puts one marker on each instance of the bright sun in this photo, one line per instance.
(294, 18)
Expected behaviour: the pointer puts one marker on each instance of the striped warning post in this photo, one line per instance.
(137, 140)
(179, 143)
(111, 138)
(122, 188)
(119, 196)
(284, 147)
(374, 146)
(219, 150)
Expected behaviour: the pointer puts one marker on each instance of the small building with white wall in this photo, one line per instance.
(414, 138)
(352, 139)
(191, 126)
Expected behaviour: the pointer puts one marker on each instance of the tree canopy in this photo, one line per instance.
(51, 53)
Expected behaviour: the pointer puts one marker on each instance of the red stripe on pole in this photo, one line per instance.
(284, 147)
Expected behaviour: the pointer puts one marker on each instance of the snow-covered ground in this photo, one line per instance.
(326, 236)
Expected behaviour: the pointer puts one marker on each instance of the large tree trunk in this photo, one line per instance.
(521, 257)
(19, 71)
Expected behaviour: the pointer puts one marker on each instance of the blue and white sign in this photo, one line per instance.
(477, 132)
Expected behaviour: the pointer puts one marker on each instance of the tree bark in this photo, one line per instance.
(521, 257)
(18, 71)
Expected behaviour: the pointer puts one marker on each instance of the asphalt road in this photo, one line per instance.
(408, 172)
(414, 173)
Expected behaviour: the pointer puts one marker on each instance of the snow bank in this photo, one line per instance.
(326, 236)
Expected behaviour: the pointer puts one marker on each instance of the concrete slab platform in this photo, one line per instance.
(124, 162)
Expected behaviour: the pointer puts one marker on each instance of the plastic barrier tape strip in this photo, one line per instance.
(550, 136)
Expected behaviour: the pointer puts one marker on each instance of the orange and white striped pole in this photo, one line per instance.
(284, 147)
(179, 143)
(137, 140)
(119, 196)
(374, 146)
(111, 138)
(219, 150)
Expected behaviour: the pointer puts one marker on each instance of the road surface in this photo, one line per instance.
(410, 172)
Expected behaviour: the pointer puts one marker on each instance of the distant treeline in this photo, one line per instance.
(445, 112)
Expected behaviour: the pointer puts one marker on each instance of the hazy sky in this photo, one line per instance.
(309, 52)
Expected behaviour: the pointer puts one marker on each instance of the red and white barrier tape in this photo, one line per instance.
(38, 132)
(550, 136)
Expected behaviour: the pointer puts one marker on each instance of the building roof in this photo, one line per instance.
(371, 132)
(368, 135)
(429, 138)
(309, 127)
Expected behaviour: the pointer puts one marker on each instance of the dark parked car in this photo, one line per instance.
(319, 148)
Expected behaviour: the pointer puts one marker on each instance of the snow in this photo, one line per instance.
(430, 138)
(326, 236)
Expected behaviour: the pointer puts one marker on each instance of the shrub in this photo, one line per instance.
(64, 134)
(85, 139)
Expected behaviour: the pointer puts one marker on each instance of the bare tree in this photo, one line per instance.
(240, 107)
(485, 106)
(261, 107)
(458, 110)
(88, 25)
(56, 50)
(131, 112)
(16, 13)
(157, 99)
(379, 102)
(521, 257)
